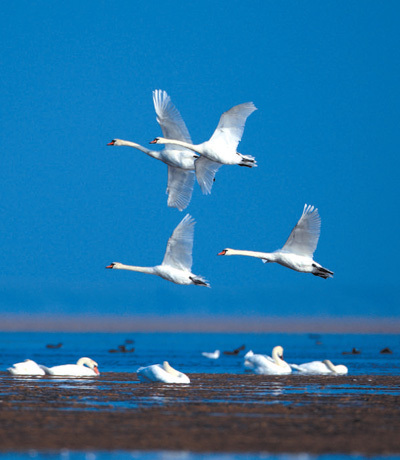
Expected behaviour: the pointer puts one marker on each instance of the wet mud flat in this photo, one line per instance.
(215, 413)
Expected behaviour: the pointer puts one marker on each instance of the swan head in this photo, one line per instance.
(116, 142)
(278, 351)
(226, 252)
(89, 363)
(115, 265)
(157, 140)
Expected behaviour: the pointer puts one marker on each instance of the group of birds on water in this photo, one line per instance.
(187, 161)
(255, 363)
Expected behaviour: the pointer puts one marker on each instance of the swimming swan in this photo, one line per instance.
(214, 355)
(161, 373)
(220, 149)
(75, 370)
(27, 367)
(180, 161)
(320, 367)
(262, 364)
(297, 253)
(177, 263)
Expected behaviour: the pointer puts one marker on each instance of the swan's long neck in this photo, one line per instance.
(194, 147)
(278, 360)
(151, 153)
(330, 365)
(270, 256)
(133, 268)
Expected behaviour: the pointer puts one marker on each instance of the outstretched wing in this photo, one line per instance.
(205, 173)
(231, 124)
(180, 245)
(304, 237)
(170, 120)
(180, 187)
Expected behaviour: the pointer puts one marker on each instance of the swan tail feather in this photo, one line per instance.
(322, 272)
(248, 160)
(200, 281)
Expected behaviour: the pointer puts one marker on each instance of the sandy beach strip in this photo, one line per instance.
(215, 413)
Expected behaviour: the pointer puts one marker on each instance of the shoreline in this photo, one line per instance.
(215, 413)
(199, 324)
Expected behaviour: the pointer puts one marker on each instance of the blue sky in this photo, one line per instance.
(325, 79)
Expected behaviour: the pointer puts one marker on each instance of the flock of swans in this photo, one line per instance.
(186, 161)
(85, 367)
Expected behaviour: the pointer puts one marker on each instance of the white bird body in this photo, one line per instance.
(320, 367)
(265, 365)
(213, 355)
(27, 367)
(161, 373)
(177, 264)
(220, 149)
(85, 367)
(180, 160)
(297, 253)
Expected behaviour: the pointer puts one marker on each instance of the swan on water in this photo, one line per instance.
(320, 367)
(263, 364)
(211, 355)
(27, 367)
(220, 149)
(297, 253)
(180, 161)
(177, 263)
(85, 367)
(161, 373)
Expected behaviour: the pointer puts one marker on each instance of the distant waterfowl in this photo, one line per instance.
(265, 365)
(386, 350)
(180, 161)
(320, 367)
(236, 351)
(161, 373)
(85, 367)
(220, 149)
(54, 346)
(122, 349)
(211, 355)
(27, 367)
(354, 351)
(297, 253)
(177, 264)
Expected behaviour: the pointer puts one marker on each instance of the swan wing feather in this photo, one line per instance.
(205, 173)
(180, 187)
(231, 125)
(170, 120)
(304, 237)
(180, 245)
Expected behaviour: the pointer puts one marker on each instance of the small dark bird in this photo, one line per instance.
(236, 351)
(51, 345)
(386, 350)
(354, 351)
(129, 341)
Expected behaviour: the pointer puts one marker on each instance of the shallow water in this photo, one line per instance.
(183, 350)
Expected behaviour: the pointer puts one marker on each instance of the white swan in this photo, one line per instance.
(27, 367)
(320, 367)
(75, 370)
(161, 373)
(213, 355)
(262, 364)
(297, 253)
(220, 149)
(180, 160)
(177, 263)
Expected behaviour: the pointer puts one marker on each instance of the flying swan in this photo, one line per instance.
(27, 367)
(220, 149)
(161, 373)
(85, 367)
(177, 263)
(180, 161)
(320, 367)
(264, 365)
(297, 253)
